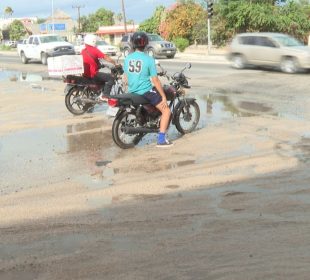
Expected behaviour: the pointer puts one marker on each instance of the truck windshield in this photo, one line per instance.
(51, 38)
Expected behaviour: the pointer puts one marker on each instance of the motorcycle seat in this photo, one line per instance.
(128, 99)
(72, 79)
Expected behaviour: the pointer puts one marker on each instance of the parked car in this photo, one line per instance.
(11, 44)
(269, 49)
(42, 46)
(101, 45)
(157, 46)
(22, 41)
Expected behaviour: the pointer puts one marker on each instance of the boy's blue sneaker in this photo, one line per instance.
(164, 144)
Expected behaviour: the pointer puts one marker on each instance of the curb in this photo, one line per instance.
(194, 56)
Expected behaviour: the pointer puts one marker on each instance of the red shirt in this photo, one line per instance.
(90, 63)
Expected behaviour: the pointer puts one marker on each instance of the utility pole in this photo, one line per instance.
(210, 14)
(124, 16)
(53, 23)
(78, 7)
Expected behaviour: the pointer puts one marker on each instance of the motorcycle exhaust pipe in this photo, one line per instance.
(135, 130)
(86, 100)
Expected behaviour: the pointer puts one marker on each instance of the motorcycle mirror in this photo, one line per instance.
(119, 56)
(188, 65)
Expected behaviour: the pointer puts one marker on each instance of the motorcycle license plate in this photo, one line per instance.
(168, 51)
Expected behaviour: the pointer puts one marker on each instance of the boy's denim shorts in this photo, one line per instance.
(153, 96)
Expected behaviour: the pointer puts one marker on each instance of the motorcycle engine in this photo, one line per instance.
(141, 115)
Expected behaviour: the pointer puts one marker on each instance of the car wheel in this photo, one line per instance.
(151, 52)
(238, 61)
(289, 65)
(44, 58)
(23, 58)
(126, 52)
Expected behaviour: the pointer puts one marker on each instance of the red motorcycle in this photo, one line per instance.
(82, 93)
(136, 117)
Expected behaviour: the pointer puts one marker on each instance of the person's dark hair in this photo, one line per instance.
(139, 40)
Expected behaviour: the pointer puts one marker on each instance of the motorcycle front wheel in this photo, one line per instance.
(187, 117)
(120, 137)
(74, 103)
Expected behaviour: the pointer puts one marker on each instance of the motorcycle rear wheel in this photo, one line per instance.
(73, 104)
(122, 139)
(187, 117)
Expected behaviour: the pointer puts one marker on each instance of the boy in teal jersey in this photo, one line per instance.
(140, 71)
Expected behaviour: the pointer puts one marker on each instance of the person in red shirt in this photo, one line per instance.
(91, 55)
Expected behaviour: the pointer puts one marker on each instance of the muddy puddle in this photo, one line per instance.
(48, 155)
(216, 108)
(79, 152)
(17, 76)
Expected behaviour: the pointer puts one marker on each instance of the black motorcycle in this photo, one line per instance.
(136, 116)
(82, 93)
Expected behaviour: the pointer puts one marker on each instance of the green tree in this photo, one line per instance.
(8, 11)
(249, 16)
(118, 18)
(16, 30)
(152, 24)
(41, 20)
(92, 22)
(187, 20)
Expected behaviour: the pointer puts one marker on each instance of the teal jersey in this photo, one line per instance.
(139, 68)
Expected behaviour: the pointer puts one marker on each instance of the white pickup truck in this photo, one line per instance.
(40, 47)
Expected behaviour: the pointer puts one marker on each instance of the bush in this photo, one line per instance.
(181, 43)
(5, 48)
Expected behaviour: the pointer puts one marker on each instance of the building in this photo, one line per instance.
(114, 33)
(5, 23)
(60, 23)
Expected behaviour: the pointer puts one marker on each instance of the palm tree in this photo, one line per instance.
(119, 17)
(8, 11)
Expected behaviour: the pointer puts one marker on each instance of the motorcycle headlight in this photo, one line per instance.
(180, 78)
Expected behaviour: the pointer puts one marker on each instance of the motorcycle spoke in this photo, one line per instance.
(121, 138)
(188, 118)
(73, 102)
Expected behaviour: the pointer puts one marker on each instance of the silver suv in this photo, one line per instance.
(269, 49)
(156, 47)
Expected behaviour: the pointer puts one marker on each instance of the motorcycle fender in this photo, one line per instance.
(180, 105)
(68, 88)
(119, 112)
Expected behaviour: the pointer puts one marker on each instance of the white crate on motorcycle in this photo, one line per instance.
(65, 65)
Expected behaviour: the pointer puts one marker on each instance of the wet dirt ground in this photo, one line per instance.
(229, 201)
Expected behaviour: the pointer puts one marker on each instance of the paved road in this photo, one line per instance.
(202, 65)
(230, 201)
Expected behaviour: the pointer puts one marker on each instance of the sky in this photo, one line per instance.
(136, 10)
